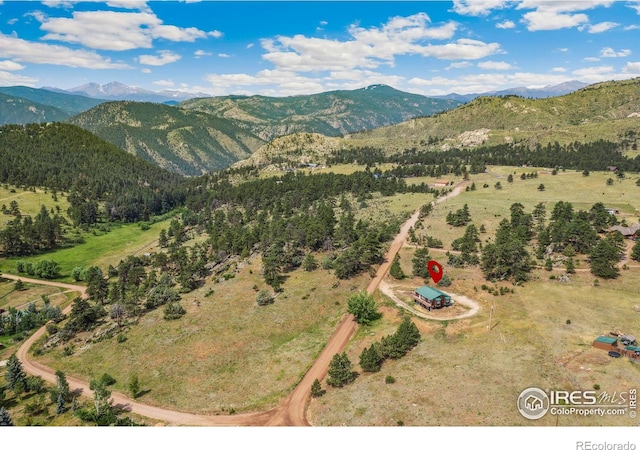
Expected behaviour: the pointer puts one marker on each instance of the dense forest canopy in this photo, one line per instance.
(67, 158)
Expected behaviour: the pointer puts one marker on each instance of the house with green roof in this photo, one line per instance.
(431, 298)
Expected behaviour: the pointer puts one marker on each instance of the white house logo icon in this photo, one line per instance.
(533, 403)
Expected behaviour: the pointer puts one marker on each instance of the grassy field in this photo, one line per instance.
(226, 351)
(99, 249)
(488, 205)
(462, 374)
(29, 202)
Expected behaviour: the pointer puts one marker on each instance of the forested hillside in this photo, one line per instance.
(20, 111)
(70, 104)
(185, 142)
(102, 180)
(330, 113)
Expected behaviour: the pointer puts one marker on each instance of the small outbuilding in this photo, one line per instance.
(431, 298)
(606, 343)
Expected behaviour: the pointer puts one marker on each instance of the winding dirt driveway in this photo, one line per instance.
(291, 411)
(387, 289)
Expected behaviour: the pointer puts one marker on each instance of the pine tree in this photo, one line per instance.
(316, 389)
(408, 333)
(5, 418)
(309, 263)
(570, 266)
(396, 270)
(134, 386)
(16, 378)
(420, 263)
(60, 408)
(61, 389)
(371, 358)
(604, 255)
(340, 372)
(635, 252)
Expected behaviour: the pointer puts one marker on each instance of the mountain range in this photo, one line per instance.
(119, 91)
(205, 134)
(522, 91)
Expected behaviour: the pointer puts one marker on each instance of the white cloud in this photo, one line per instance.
(223, 55)
(249, 46)
(146, 70)
(631, 27)
(563, 50)
(324, 23)
(495, 65)
(164, 83)
(634, 4)
(477, 7)
(595, 74)
(547, 20)
(632, 67)
(608, 52)
(165, 57)
(591, 59)
(460, 49)
(39, 53)
(281, 82)
(13, 79)
(459, 65)
(12, 21)
(602, 27)
(125, 4)
(559, 69)
(111, 30)
(506, 25)
(10, 66)
(372, 47)
(475, 83)
(555, 15)
(201, 53)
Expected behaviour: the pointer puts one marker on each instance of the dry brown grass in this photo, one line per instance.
(227, 352)
(462, 374)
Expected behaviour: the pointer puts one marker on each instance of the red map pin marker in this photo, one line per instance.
(435, 270)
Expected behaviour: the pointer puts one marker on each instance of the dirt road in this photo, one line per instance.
(291, 411)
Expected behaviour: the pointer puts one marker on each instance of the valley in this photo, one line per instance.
(175, 268)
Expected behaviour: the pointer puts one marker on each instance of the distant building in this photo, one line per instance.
(431, 298)
(613, 211)
(440, 183)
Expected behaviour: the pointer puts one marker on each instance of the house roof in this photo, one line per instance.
(626, 231)
(431, 293)
(632, 348)
(606, 339)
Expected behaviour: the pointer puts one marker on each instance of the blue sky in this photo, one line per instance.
(290, 48)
